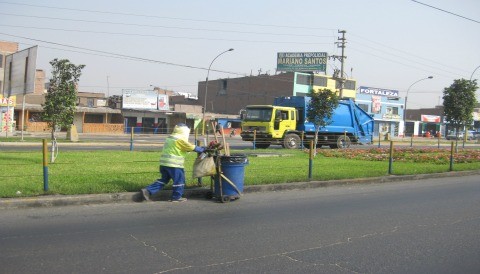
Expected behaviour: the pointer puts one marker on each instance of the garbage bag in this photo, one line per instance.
(204, 166)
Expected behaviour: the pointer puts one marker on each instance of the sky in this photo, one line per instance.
(171, 44)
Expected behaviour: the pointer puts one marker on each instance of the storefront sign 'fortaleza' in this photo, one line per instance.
(379, 91)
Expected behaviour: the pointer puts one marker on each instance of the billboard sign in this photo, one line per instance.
(302, 61)
(163, 102)
(430, 118)
(20, 70)
(379, 91)
(7, 121)
(376, 104)
(139, 99)
(8, 101)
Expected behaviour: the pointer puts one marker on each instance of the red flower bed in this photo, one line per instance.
(415, 155)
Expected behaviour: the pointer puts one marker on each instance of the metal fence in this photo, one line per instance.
(127, 171)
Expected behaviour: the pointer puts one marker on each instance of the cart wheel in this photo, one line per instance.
(225, 199)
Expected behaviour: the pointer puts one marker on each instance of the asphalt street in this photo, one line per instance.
(419, 226)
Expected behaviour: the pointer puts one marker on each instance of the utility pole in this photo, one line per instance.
(342, 41)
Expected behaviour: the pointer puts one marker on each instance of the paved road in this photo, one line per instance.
(429, 226)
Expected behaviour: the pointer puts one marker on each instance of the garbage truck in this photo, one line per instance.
(285, 123)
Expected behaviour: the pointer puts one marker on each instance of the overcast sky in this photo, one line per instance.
(170, 44)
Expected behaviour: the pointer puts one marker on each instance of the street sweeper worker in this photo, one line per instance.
(171, 164)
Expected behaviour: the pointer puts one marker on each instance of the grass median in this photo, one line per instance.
(88, 172)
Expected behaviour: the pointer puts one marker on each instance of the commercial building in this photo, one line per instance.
(231, 95)
(386, 107)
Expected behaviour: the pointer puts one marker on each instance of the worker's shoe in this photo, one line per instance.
(146, 194)
(179, 200)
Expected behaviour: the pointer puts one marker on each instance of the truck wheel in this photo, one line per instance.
(342, 142)
(262, 145)
(291, 141)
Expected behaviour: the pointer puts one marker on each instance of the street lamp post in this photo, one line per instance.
(206, 89)
(406, 97)
(474, 73)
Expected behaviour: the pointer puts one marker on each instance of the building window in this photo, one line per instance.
(388, 111)
(304, 79)
(1, 60)
(391, 110)
(364, 107)
(349, 84)
(35, 117)
(224, 84)
(320, 81)
(90, 102)
(223, 88)
(93, 118)
(395, 110)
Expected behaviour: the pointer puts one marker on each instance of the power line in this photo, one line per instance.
(163, 17)
(446, 11)
(166, 27)
(401, 57)
(166, 36)
(393, 61)
(122, 55)
(166, 17)
(403, 52)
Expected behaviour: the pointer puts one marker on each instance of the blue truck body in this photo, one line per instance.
(348, 118)
(285, 123)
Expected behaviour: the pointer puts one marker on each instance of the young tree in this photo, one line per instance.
(320, 110)
(458, 103)
(61, 98)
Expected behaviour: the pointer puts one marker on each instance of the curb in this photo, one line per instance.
(202, 192)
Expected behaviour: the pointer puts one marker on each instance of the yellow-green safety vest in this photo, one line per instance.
(174, 152)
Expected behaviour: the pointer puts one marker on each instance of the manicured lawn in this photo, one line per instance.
(85, 172)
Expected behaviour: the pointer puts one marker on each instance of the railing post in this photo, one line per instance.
(45, 165)
(310, 161)
(131, 139)
(451, 157)
(390, 160)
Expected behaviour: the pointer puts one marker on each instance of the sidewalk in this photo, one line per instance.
(201, 192)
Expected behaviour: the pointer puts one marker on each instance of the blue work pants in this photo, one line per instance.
(177, 175)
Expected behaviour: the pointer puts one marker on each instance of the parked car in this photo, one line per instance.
(471, 135)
